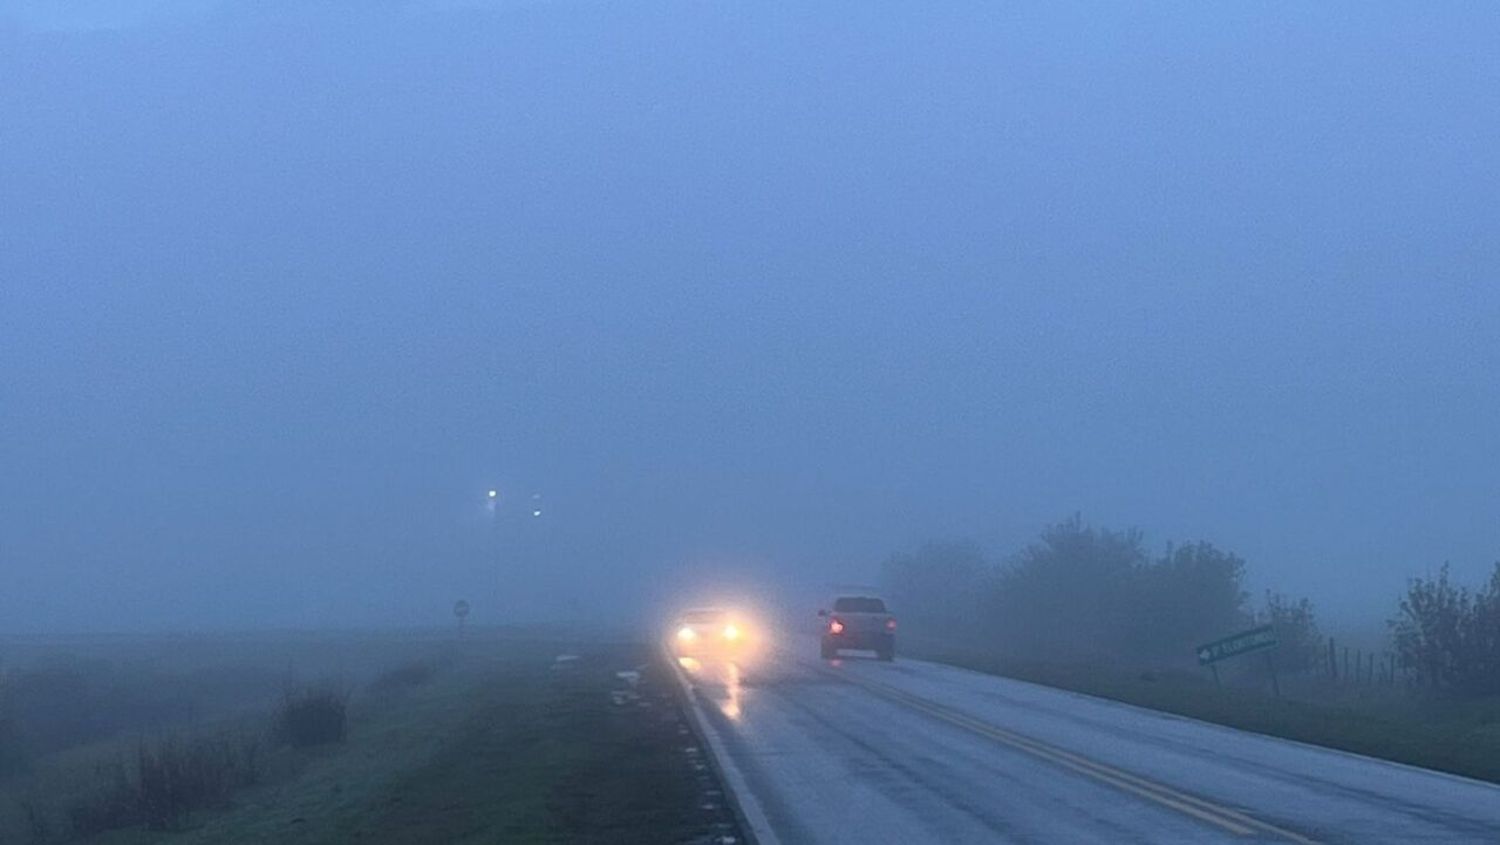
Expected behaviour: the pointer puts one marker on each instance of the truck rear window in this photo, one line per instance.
(858, 604)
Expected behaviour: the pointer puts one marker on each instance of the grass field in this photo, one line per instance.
(491, 740)
(1455, 735)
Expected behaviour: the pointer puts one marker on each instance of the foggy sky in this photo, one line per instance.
(759, 292)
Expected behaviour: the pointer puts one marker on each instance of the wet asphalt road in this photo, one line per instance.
(857, 750)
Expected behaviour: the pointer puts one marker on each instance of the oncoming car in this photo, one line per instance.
(859, 622)
(711, 632)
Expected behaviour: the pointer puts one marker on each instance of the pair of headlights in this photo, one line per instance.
(731, 632)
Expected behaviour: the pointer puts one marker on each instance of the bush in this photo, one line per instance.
(165, 781)
(314, 716)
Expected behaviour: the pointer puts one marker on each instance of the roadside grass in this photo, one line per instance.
(157, 782)
(60, 694)
(314, 790)
(504, 744)
(166, 780)
(1460, 736)
(104, 732)
(547, 756)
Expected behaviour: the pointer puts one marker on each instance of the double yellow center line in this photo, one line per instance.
(1190, 805)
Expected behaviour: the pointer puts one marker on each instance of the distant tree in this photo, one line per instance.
(1065, 595)
(1296, 625)
(1428, 631)
(1193, 593)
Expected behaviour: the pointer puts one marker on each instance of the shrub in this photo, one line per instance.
(174, 778)
(313, 716)
(166, 780)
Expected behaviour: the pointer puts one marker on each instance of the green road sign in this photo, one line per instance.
(1251, 640)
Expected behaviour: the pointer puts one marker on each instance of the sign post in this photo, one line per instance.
(461, 610)
(1234, 645)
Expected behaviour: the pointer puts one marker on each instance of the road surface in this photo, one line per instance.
(861, 751)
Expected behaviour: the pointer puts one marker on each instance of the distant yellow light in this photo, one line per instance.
(731, 632)
(686, 633)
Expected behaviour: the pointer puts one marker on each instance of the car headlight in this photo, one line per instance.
(686, 633)
(731, 632)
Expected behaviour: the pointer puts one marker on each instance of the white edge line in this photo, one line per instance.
(752, 817)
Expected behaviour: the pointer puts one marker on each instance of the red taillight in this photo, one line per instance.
(835, 627)
(890, 624)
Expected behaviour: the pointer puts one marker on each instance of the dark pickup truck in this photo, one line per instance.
(859, 622)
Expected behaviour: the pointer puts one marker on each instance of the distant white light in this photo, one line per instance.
(536, 513)
(494, 493)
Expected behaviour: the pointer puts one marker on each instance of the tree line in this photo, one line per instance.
(1083, 593)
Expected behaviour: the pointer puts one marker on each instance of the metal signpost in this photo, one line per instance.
(1234, 645)
(461, 610)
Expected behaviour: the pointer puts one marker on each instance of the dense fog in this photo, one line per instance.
(731, 298)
